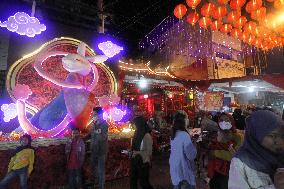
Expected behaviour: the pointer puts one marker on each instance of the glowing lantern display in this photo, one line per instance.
(240, 22)
(216, 25)
(180, 11)
(270, 1)
(223, 1)
(192, 18)
(251, 39)
(204, 22)
(259, 14)
(236, 33)
(226, 28)
(244, 36)
(233, 16)
(279, 4)
(220, 12)
(253, 5)
(237, 4)
(250, 27)
(193, 3)
(207, 9)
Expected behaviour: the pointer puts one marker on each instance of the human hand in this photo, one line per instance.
(279, 179)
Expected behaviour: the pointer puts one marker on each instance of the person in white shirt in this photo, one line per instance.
(183, 153)
(257, 162)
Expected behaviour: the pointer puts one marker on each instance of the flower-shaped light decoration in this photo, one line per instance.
(22, 92)
(10, 111)
(114, 114)
(109, 48)
(23, 24)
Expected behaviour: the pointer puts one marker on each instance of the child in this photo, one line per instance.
(75, 151)
(21, 164)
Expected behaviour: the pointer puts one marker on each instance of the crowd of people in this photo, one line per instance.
(237, 151)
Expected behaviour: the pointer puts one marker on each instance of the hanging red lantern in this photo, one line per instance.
(220, 12)
(279, 4)
(193, 3)
(204, 22)
(180, 11)
(253, 5)
(192, 18)
(233, 16)
(216, 25)
(270, 1)
(236, 33)
(207, 9)
(257, 43)
(259, 14)
(250, 27)
(223, 1)
(226, 28)
(268, 19)
(251, 39)
(237, 4)
(244, 36)
(240, 22)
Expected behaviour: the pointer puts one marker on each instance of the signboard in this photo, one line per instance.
(229, 68)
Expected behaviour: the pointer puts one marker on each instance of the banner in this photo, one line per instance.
(229, 69)
(213, 101)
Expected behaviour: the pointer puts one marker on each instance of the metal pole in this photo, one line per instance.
(101, 27)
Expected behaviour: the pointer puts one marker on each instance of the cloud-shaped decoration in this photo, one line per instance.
(10, 111)
(23, 24)
(114, 114)
(22, 92)
(109, 49)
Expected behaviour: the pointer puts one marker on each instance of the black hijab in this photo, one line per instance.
(141, 130)
(252, 153)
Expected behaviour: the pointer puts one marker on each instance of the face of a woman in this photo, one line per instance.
(274, 141)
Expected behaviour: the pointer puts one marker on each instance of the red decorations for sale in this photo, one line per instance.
(180, 11)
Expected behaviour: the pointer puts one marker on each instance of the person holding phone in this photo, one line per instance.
(258, 162)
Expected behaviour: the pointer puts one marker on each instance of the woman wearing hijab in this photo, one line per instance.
(183, 153)
(221, 151)
(21, 164)
(255, 164)
(141, 154)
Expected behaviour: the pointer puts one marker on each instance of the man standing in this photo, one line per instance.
(99, 147)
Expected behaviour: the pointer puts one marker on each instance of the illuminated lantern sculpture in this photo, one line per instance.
(193, 3)
(259, 14)
(233, 16)
(226, 28)
(236, 33)
(192, 18)
(240, 22)
(204, 22)
(237, 4)
(180, 11)
(279, 4)
(251, 39)
(216, 25)
(220, 12)
(207, 9)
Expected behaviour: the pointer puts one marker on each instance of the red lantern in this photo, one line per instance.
(236, 33)
(207, 9)
(216, 25)
(192, 18)
(244, 36)
(220, 12)
(226, 28)
(204, 22)
(250, 27)
(233, 16)
(253, 5)
(193, 3)
(240, 22)
(259, 14)
(223, 1)
(180, 11)
(237, 4)
(270, 1)
(279, 4)
(268, 19)
(251, 39)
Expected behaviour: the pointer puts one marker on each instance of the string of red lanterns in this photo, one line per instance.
(260, 29)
